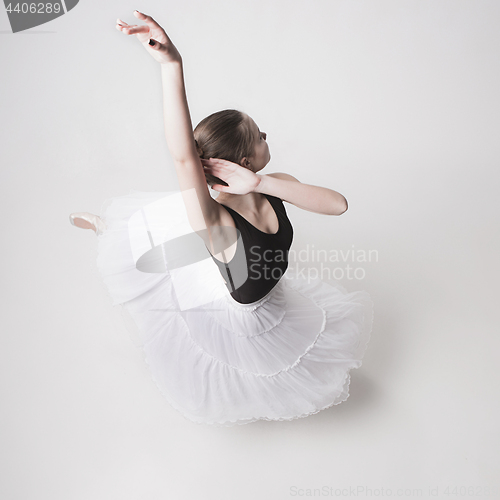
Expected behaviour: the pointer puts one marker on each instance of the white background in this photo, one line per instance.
(395, 104)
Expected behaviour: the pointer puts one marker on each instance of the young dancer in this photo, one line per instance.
(229, 335)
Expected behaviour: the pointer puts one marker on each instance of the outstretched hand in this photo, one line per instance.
(240, 180)
(162, 50)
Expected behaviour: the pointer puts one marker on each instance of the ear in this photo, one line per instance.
(244, 162)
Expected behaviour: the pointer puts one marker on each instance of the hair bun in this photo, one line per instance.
(198, 149)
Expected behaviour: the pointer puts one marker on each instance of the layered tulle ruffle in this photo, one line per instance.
(220, 362)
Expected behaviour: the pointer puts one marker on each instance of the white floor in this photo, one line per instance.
(415, 156)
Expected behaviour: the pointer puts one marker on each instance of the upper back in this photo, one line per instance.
(253, 261)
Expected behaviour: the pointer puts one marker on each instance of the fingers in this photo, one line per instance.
(220, 187)
(133, 30)
(123, 26)
(147, 19)
(213, 168)
(220, 160)
(216, 162)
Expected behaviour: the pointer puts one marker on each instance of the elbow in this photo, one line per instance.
(346, 206)
(342, 209)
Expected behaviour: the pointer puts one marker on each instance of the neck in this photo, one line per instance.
(250, 202)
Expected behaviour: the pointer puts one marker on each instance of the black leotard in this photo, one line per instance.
(260, 262)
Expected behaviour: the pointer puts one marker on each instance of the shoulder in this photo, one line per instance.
(282, 175)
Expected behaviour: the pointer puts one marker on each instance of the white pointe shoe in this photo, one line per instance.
(86, 220)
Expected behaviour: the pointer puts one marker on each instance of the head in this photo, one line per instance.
(233, 136)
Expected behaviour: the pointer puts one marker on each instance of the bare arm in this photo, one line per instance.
(176, 117)
(203, 211)
(316, 199)
(180, 142)
(240, 180)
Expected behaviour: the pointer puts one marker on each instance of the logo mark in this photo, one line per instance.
(26, 15)
(163, 241)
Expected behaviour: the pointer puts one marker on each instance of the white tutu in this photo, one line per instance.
(215, 360)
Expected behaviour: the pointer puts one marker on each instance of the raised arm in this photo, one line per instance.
(178, 126)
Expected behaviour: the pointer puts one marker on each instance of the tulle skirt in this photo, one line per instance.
(215, 360)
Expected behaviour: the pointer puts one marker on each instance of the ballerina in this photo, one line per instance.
(229, 335)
